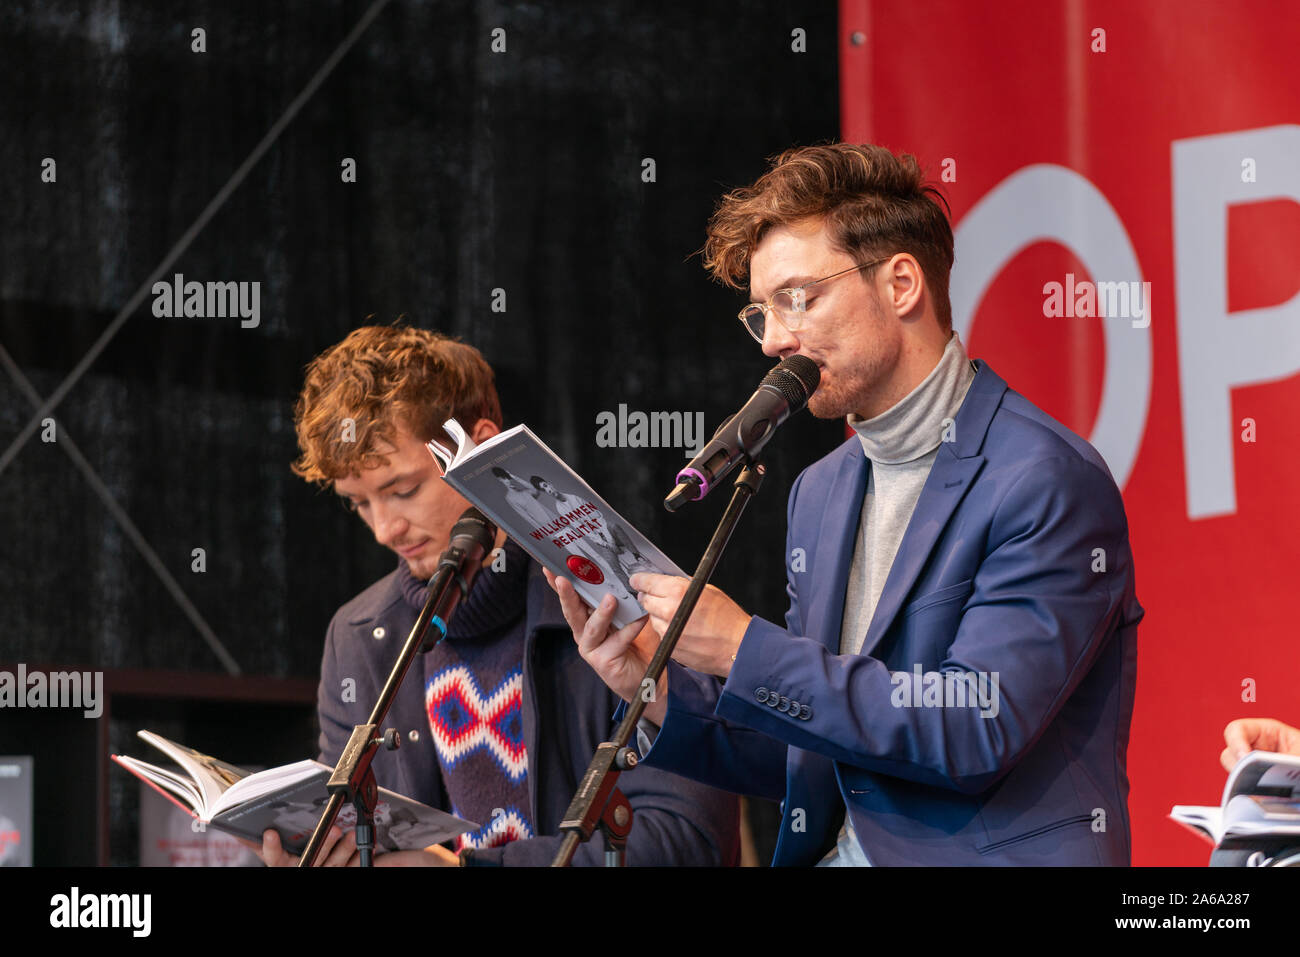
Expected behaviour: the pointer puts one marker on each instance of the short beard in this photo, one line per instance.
(824, 407)
(830, 405)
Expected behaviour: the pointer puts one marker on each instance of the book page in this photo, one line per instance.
(171, 785)
(466, 447)
(263, 783)
(1264, 770)
(293, 812)
(1254, 814)
(1204, 820)
(211, 776)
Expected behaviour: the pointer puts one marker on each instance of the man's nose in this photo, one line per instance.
(778, 341)
(389, 525)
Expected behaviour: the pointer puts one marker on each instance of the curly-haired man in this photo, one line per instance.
(501, 718)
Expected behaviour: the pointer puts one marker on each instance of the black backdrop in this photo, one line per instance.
(476, 170)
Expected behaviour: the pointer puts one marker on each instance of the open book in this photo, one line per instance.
(1261, 801)
(289, 799)
(528, 491)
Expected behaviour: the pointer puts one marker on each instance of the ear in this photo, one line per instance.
(483, 430)
(906, 285)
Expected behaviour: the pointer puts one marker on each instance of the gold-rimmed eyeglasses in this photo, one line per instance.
(790, 305)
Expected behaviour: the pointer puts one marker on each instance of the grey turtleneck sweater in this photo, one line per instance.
(901, 444)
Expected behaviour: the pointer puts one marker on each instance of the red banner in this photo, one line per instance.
(1125, 187)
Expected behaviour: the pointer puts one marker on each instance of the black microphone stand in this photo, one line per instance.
(353, 779)
(598, 803)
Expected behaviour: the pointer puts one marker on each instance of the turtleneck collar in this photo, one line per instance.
(495, 598)
(913, 427)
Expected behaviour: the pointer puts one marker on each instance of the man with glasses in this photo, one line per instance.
(954, 682)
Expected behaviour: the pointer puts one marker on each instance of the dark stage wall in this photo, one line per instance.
(476, 170)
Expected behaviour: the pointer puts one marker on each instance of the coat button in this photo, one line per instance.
(773, 699)
(414, 735)
(761, 696)
(784, 706)
(379, 632)
(805, 711)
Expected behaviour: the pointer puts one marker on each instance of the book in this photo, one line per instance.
(555, 516)
(288, 798)
(1261, 802)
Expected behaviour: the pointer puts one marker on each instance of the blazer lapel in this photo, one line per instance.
(953, 472)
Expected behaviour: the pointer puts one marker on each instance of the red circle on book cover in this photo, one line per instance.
(585, 569)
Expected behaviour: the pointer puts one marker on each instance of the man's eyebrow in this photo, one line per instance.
(788, 283)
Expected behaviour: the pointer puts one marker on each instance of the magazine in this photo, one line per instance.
(289, 799)
(1261, 801)
(528, 491)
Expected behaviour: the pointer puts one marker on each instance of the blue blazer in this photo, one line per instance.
(1016, 563)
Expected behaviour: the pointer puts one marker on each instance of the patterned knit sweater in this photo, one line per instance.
(474, 696)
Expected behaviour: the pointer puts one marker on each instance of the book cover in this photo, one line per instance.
(527, 490)
(171, 837)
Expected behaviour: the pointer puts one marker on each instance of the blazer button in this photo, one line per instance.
(379, 632)
(794, 708)
(784, 706)
(761, 695)
(805, 712)
(773, 699)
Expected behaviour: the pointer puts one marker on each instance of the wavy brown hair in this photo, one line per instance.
(877, 204)
(381, 377)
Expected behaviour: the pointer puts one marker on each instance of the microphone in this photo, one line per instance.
(783, 391)
(471, 539)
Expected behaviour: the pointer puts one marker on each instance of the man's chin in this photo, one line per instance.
(422, 568)
(828, 406)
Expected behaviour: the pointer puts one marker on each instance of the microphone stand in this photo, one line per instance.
(353, 779)
(598, 803)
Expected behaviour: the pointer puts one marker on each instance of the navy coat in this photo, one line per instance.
(1016, 563)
